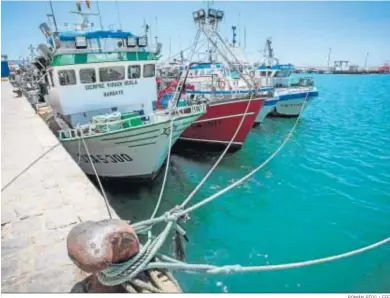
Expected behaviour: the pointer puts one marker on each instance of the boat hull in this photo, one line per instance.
(268, 107)
(138, 153)
(291, 101)
(219, 124)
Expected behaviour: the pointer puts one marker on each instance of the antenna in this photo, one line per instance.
(150, 33)
(239, 28)
(209, 3)
(156, 36)
(119, 17)
(244, 37)
(84, 16)
(146, 28)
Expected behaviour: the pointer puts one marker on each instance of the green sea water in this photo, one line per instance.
(327, 192)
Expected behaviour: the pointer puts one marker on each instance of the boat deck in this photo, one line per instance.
(39, 204)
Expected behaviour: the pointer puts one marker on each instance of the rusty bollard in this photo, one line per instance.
(93, 246)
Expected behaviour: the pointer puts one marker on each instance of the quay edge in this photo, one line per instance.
(41, 205)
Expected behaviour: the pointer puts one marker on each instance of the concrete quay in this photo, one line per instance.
(40, 203)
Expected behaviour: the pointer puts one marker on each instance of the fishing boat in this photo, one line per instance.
(102, 98)
(215, 82)
(232, 106)
(290, 92)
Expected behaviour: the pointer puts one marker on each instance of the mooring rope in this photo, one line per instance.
(165, 174)
(211, 269)
(96, 174)
(29, 166)
(208, 174)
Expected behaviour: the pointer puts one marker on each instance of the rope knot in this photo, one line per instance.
(174, 214)
(168, 217)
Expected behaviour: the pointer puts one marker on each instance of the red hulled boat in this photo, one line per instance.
(221, 120)
(219, 124)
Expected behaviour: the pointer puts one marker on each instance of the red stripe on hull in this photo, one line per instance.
(221, 121)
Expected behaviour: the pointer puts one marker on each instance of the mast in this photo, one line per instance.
(268, 53)
(234, 36)
(31, 48)
(208, 6)
(52, 14)
(146, 28)
(170, 49)
(100, 16)
(119, 17)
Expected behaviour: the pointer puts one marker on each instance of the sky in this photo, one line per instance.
(302, 32)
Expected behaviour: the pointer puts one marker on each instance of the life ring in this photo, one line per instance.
(221, 84)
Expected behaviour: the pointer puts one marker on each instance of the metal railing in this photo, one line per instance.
(93, 129)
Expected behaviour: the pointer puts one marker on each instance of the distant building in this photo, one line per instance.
(341, 66)
(354, 68)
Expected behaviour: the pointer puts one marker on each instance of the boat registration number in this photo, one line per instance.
(107, 158)
(291, 105)
(211, 123)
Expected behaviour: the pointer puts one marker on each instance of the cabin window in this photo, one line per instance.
(265, 73)
(113, 73)
(134, 71)
(87, 76)
(67, 77)
(149, 70)
(281, 73)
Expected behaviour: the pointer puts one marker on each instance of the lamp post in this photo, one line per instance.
(365, 62)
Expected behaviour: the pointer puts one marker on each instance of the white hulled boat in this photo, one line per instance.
(291, 95)
(102, 98)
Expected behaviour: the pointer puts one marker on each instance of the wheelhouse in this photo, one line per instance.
(93, 73)
(207, 70)
(277, 75)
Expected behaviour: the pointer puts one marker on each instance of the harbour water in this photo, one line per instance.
(327, 192)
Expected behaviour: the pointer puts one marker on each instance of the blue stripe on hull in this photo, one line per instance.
(270, 102)
(298, 95)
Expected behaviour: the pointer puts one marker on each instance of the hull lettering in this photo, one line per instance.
(108, 158)
(212, 123)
